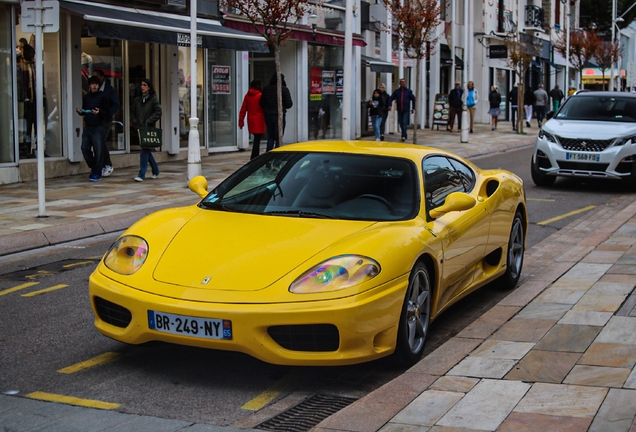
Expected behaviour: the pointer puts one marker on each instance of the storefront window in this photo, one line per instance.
(325, 91)
(105, 56)
(7, 142)
(26, 94)
(221, 99)
(184, 83)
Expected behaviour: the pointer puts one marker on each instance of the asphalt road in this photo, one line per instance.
(48, 342)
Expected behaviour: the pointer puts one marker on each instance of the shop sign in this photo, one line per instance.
(339, 83)
(441, 110)
(183, 39)
(498, 51)
(328, 82)
(315, 84)
(221, 80)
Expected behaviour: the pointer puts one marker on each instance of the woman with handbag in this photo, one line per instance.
(145, 112)
(255, 116)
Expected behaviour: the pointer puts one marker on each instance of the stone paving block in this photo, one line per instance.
(62, 234)
(524, 329)
(391, 427)
(489, 322)
(576, 253)
(543, 366)
(525, 293)
(23, 241)
(599, 376)
(600, 302)
(528, 422)
(616, 413)
(544, 310)
(486, 406)
(564, 296)
(621, 330)
(480, 367)
(586, 317)
(502, 349)
(569, 338)
(585, 272)
(456, 384)
(631, 380)
(445, 357)
(428, 408)
(609, 354)
(562, 400)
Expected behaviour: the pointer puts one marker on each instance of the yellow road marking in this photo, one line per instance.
(107, 357)
(39, 274)
(70, 400)
(45, 290)
(540, 199)
(584, 209)
(77, 264)
(270, 394)
(19, 287)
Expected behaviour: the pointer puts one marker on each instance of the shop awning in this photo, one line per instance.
(113, 22)
(377, 65)
(445, 58)
(300, 32)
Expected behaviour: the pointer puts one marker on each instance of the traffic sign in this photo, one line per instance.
(50, 16)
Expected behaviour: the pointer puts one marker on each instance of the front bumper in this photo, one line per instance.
(366, 323)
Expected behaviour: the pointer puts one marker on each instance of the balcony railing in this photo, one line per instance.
(534, 16)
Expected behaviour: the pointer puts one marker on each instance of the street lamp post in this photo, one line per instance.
(567, 45)
(615, 21)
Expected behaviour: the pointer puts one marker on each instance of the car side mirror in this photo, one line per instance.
(199, 185)
(549, 115)
(456, 201)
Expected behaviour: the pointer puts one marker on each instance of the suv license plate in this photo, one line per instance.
(190, 326)
(592, 157)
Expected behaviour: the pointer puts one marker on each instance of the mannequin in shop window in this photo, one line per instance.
(26, 97)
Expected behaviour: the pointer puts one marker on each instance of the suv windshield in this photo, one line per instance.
(321, 185)
(600, 108)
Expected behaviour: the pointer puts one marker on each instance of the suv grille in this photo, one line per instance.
(586, 145)
(111, 313)
(309, 337)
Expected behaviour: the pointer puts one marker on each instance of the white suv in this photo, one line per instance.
(592, 135)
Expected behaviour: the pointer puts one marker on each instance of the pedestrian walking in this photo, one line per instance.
(111, 93)
(557, 96)
(541, 100)
(528, 103)
(377, 109)
(494, 100)
(255, 116)
(513, 99)
(145, 112)
(470, 98)
(385, 97)
(269, 102)
(95, 109)
(455, 102)
(405, 105)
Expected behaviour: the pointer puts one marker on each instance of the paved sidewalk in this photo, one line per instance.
(558, 353)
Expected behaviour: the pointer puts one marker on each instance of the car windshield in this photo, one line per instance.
(321, 185)
(600, 108)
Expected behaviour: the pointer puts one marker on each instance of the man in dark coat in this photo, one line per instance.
(95, 110)
(111, 93)
(513, 97)
(557, 96)
(405, 105)
(269, 102)
(455, 102)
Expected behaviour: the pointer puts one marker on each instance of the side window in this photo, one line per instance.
(465, 174)
(440, 180)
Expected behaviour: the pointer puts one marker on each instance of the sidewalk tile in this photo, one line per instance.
(562, 400)
(480, 367)
(569, 338)
(583, 317)
(544, 310)
(528, 422)
(428, 408)
(598, 376)
(489, 322)
(455, 384)
(631, 380)
(486, 406)
(621, 330)
(544, 366)
(498, 349)
(600, 302)
(616, 413)
(524, 329)
(609, 354)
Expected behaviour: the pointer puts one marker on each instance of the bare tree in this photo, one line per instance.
(607, 54)
(583, 47)
(275, 21)
(520, 55)
(415, 24)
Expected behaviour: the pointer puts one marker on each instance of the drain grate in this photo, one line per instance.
(306, 414)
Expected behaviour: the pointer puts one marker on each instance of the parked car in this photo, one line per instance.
(321, 253)
(592, 135)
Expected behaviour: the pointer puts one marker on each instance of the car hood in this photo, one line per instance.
(241, 252)
(589, 129)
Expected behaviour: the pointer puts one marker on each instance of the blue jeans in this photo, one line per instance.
(403, 121)
(271, 123)
(145, 157)
(376, 121)
(93, 148)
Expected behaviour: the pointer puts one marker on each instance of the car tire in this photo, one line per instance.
(539, 178)
(415, 318)
(514, 255)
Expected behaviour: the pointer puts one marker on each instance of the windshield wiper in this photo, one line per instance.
(300, 214)
(213, 205)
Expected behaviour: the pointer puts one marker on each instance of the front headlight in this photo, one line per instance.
(626, 140)
(127, 255)
(335, 274)
(548, 136)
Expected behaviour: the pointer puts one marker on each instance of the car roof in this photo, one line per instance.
(589, 93)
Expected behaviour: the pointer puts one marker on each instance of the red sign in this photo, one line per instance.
(315, 84)
(221, 80)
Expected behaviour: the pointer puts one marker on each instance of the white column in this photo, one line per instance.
(194, 150)
(348, 70)
(39, 114)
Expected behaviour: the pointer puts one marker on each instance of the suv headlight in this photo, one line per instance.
(627, 140)
(548, 136)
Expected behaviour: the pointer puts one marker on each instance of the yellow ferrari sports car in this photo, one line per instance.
(320, 253)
